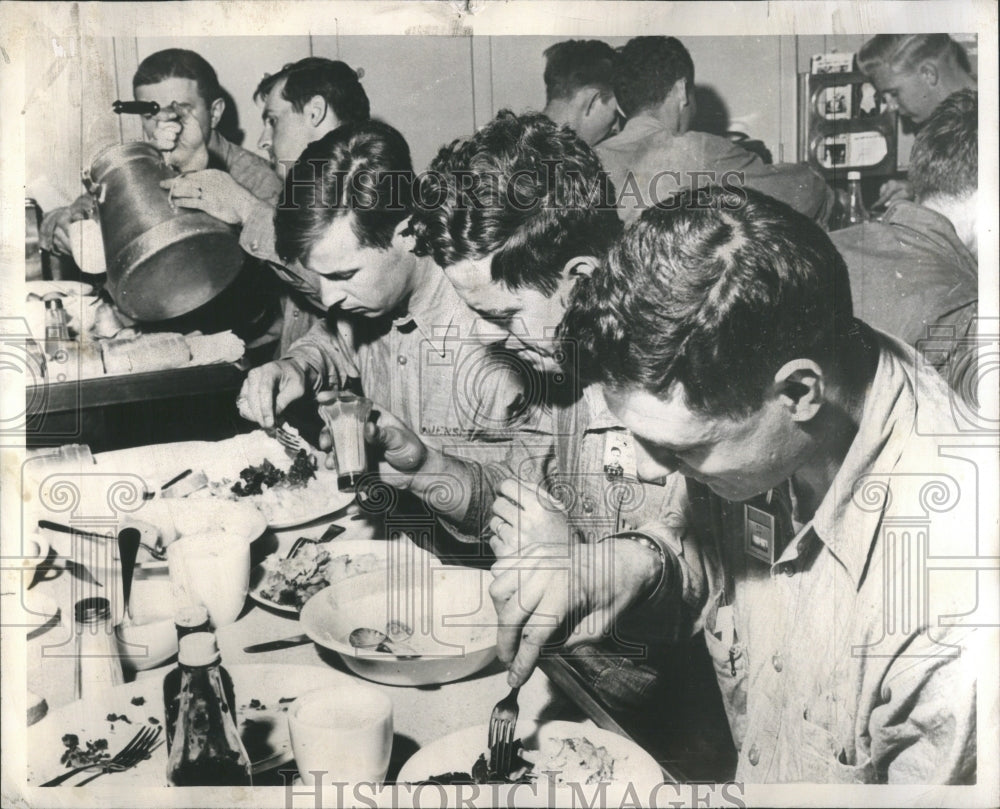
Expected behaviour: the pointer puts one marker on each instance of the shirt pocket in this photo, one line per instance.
(730, 663)
(824, 759)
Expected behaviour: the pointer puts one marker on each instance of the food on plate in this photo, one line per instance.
(256, 478)
(94, 752)
(564, 760)
(291, 582)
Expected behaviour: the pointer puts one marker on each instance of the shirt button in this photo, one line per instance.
(589, 505)
(788, 569)
(401, 359)
(753, 755)
(296, 313)
(776, 662)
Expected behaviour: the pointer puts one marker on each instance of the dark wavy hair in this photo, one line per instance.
(646, 68)
(577, 63)
(945, 155)
(522, 188)
(177, 63)
(362, 169)
(314, 76)
(714, 290)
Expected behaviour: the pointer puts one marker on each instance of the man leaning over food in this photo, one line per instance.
(721, 330)
(345, 217)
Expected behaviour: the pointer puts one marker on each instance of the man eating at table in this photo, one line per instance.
(721, 330)
(398, 321)
(514, 247)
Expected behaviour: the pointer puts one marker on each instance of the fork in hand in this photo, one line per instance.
(138, 749)
(292, 442)
(501, 735)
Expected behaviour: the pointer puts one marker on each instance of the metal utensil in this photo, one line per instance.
(275, 645)
(374, 640)
(157, 552)
(129, 757)
(501, 736)
(141, 742)
(129, 540)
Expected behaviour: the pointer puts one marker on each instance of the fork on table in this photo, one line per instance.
(501, 736)
(138, 749)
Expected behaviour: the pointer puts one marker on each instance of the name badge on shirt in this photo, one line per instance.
(619, 456)
(759, 534)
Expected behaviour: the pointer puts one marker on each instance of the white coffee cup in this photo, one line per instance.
(211, 569)
(342, 734)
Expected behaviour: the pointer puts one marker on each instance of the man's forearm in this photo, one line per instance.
(453, 487)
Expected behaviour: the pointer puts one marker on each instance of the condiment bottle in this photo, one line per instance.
(204, 744)
(856, 213)
(56, 325)
(190, 619)
(98, 665)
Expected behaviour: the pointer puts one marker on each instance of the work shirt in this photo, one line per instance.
(302, 307)
(912, 276)
(425, 367)
(832, 662)
(648, 164)
(249, 170)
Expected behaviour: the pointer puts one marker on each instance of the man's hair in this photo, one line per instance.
(575, 64)
(177, 63)
(714, 290)
(315, 76)
(944, 160)
(905, 52)
(362, 169)
(521, 187)
(646, 68)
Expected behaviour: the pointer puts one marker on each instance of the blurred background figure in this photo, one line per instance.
(578, 88)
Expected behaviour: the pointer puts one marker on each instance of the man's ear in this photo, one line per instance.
(929, 72)
(682, 91)
(580, 266)
(801, 388)
(315, 110)
(215, 112)
(592, 100)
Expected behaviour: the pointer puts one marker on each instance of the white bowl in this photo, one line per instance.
(147, 637)
(448, 608)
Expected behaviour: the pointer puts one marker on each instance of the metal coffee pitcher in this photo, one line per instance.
(163, 261)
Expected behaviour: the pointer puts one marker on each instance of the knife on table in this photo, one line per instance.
(275, 645)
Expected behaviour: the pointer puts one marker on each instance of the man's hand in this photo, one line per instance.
(53, 235)
(525, 514)
(891, 191)
(577, 591)
(214, 192)
(179, 136)
(270, 388)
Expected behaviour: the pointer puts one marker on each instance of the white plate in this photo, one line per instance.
(634, 768)
(34, 611)
(336, 547)
(264, 731)
(222, 461)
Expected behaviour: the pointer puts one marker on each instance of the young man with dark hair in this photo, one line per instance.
(187, 90)
(657, 154)
(915, 273)
(722, 333)
(300, 104)
(395, 321)
(522, 213)
(578, 87)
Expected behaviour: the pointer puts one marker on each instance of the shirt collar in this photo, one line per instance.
(432, 310)
(600, 417)
(636, 128)
(849, 516)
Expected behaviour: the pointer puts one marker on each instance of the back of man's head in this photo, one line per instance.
(577, 64)
(363, 170)
(646, 70)
(944, 161)
(523, 188)
(315, 76)
(715, 290)
(177, 63)
(903, 53)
